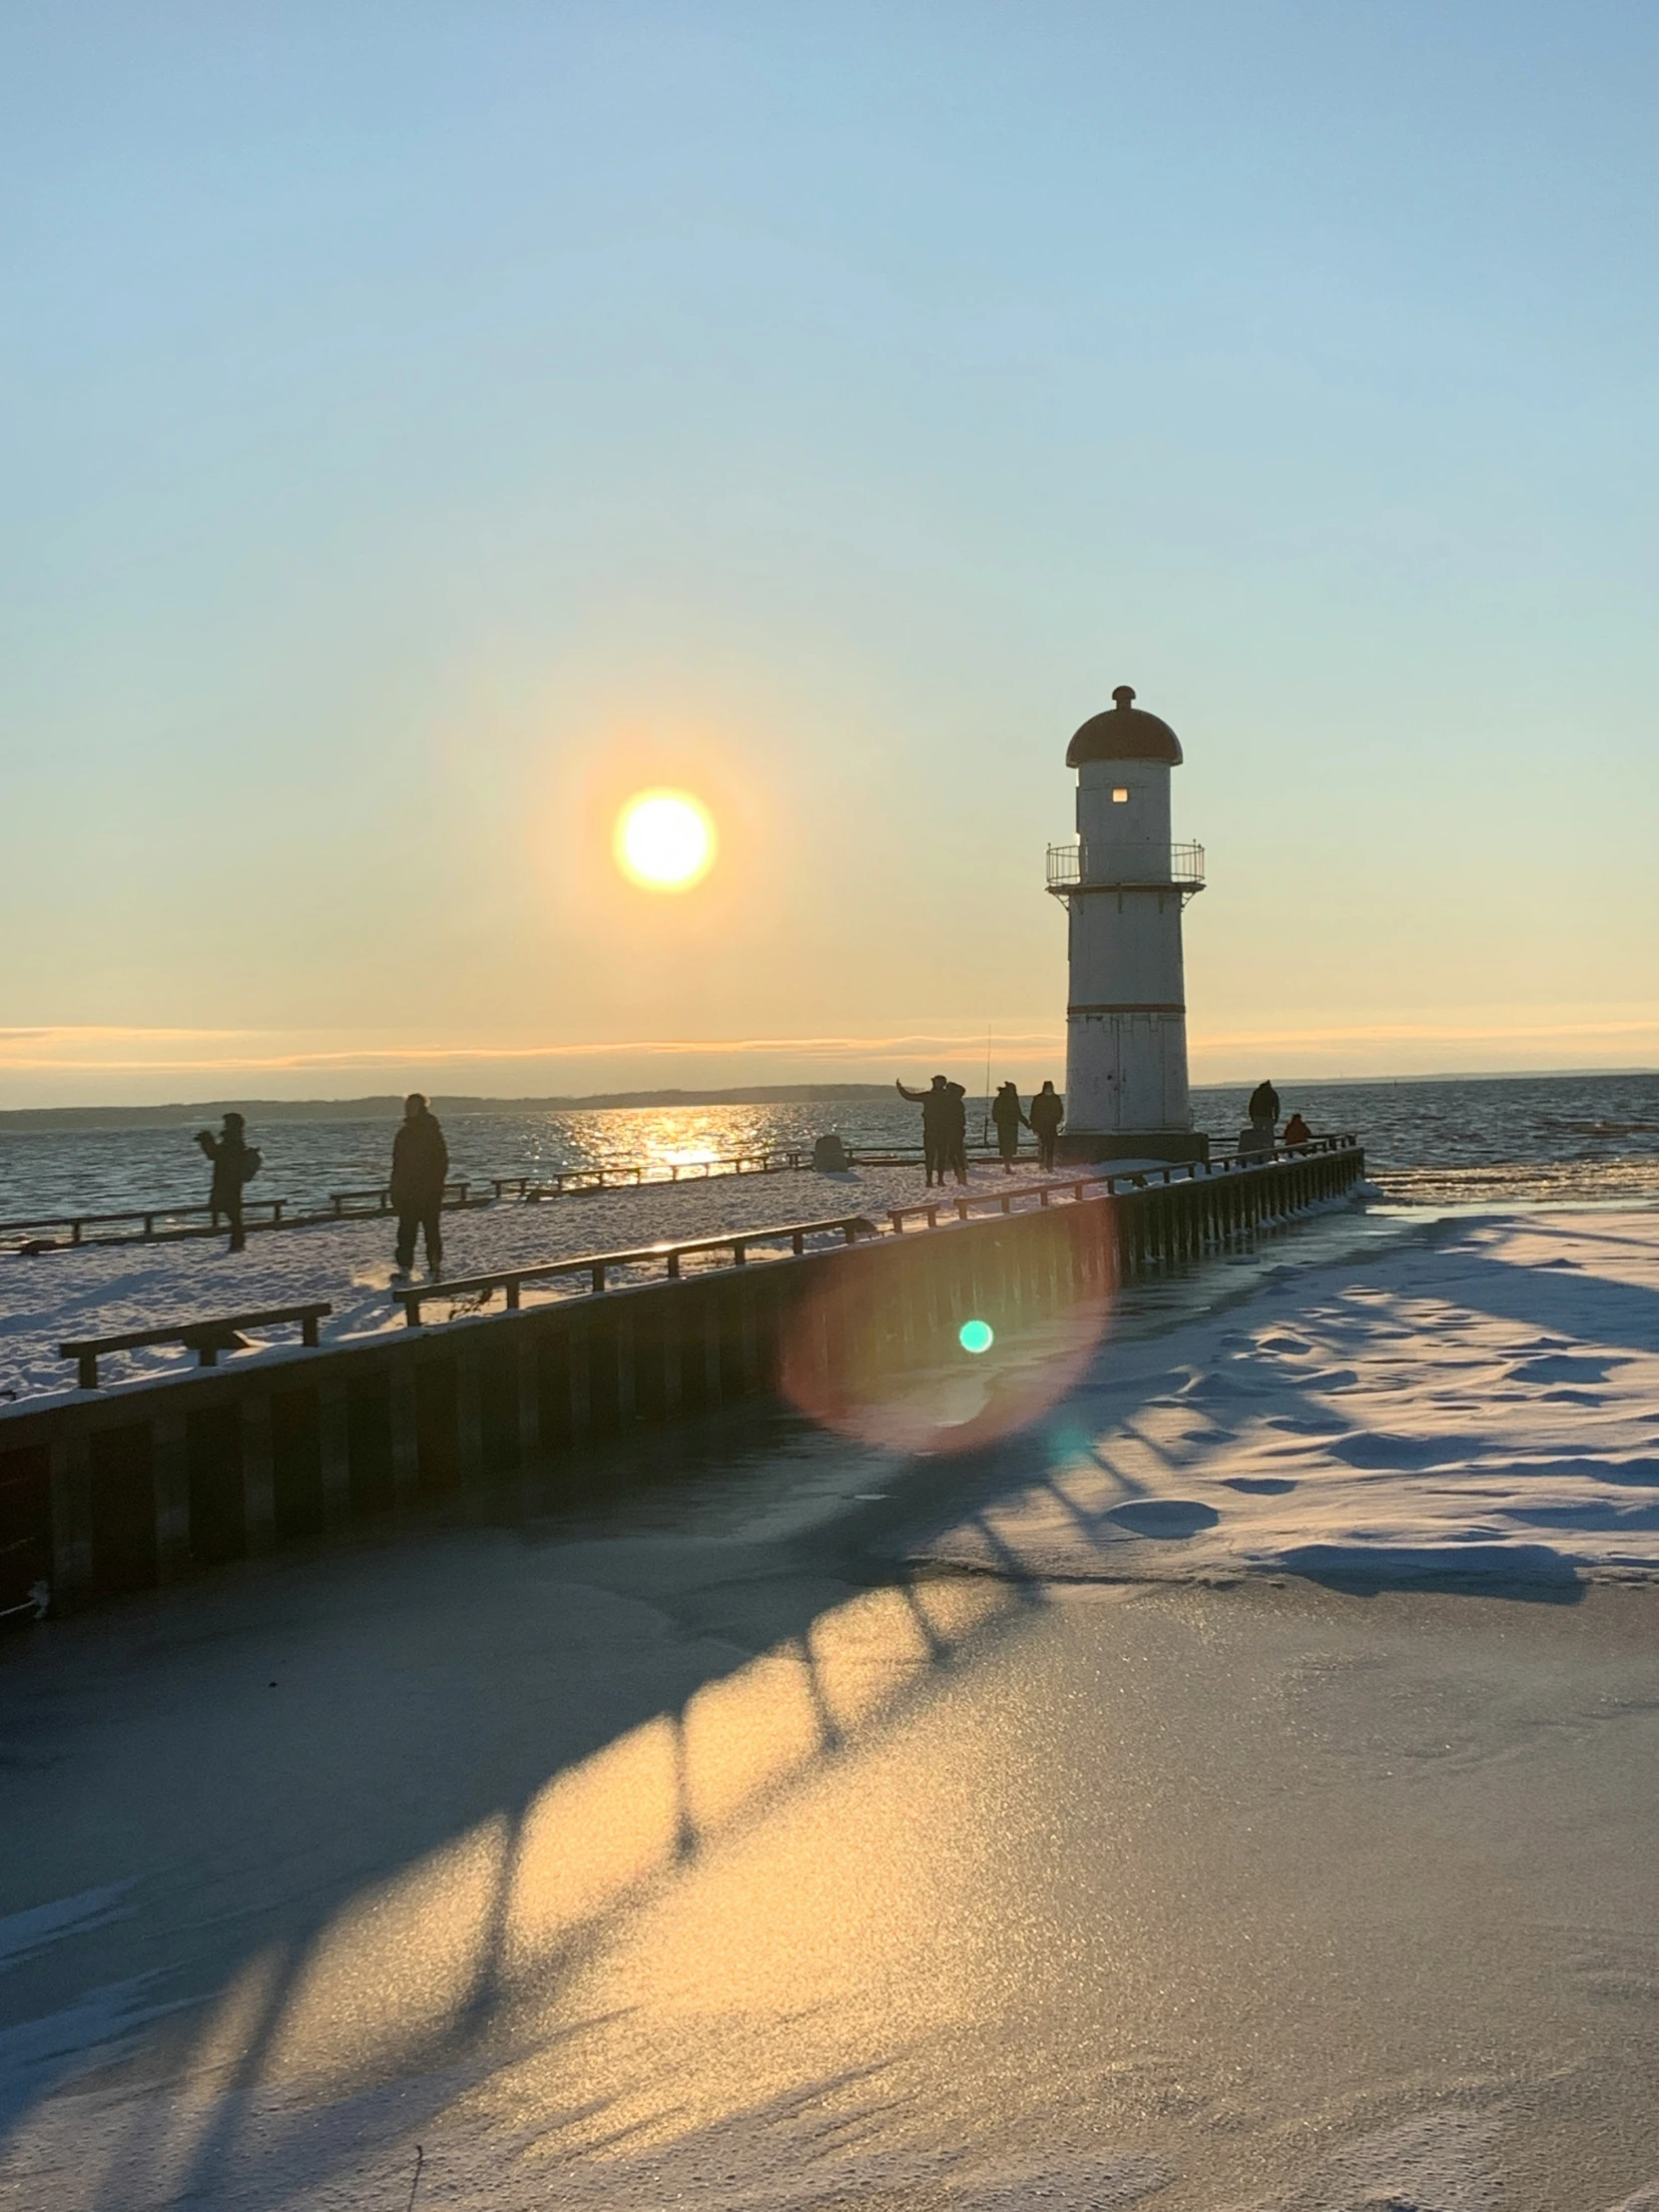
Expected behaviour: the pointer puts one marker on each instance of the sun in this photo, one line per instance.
(665, 841)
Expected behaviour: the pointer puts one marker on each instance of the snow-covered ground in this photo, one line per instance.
(52, 1297)
(1483, 1398)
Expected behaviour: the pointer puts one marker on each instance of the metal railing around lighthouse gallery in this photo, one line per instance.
(1185, 870)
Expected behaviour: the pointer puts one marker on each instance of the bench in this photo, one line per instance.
(149, 1215)
(206, 1338)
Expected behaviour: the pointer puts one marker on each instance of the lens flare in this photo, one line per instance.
(872, 1347)
(665, 841)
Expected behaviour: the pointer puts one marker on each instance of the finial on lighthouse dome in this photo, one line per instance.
(1125, 732)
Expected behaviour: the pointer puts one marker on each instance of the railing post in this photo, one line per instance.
(580, 1361)
(71, 1481)
(258, 1474)
(405, 1432)
(170, 1473)
(528, 1391)
(333, 1443)
(469, 1415)
(622, 1352)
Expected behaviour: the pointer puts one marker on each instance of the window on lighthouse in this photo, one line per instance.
(1120, 797)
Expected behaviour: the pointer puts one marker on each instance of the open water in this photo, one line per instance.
(1523, 1139)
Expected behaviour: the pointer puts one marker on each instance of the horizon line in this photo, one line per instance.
(711, 1093)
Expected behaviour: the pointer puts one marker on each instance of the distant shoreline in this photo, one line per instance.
(24, 1120)
(390, 1106)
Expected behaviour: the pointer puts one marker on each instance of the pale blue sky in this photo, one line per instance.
(423, 424)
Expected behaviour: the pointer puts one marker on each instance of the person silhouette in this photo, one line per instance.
(420, 1164)
(1263, 1110)
(1009, 1118)
(932, 1102)
(233, 1161)
(1048, 1110)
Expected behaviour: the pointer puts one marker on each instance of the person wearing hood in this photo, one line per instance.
(1048, 1110)
(1263, 1113)
(420, 1165)
(1009, 1117)
(233, 1161)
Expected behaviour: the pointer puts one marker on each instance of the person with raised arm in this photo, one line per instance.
(233, 1161)
(932, 1102)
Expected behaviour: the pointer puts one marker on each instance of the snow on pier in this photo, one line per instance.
(48, 1298)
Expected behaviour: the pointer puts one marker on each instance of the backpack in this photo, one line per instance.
(251, 1162)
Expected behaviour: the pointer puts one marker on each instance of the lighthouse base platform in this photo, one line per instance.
(1172, 1145)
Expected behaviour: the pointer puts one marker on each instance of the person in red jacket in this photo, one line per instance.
(420, 1165)
(1297, 1130)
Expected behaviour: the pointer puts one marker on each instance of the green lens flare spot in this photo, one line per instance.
(976, 1336)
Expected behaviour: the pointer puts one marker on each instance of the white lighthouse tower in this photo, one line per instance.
(1123, 886)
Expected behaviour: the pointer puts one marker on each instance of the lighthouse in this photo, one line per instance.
(1124, 885)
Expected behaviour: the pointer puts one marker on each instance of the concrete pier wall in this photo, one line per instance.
(103, 1492)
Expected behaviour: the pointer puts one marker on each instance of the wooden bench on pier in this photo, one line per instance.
(206, 1338)
(79, 1224)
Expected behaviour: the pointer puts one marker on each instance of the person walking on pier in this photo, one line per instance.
(1048, 1110)
(235, 1160)
(420, 1165)
(1010, 1119)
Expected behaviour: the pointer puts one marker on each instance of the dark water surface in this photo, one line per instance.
(1525, 1138)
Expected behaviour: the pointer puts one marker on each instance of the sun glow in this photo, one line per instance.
(665, 841)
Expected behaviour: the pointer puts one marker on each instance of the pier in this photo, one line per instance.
(105, 1491)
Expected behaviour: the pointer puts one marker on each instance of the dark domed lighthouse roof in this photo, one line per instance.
(1124, 734)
